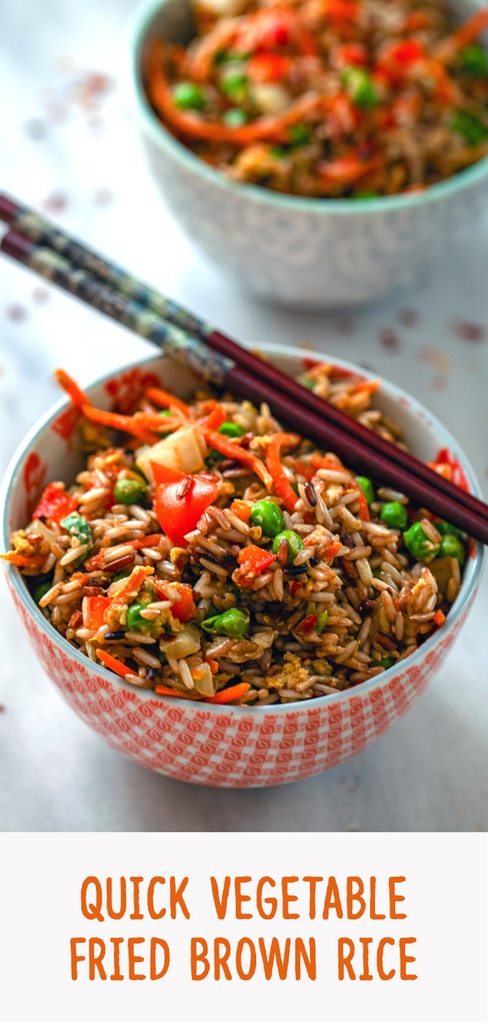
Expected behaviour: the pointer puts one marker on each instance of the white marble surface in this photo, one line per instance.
(78, 161)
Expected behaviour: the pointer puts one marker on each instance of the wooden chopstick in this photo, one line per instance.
(252, 379)
(40, 230)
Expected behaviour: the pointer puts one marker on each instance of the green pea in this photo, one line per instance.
(419, 544)
(442, 527)
(471, 129)
(129, 492)
(41, 590)
(268, 516)
(360, 87)
(232, 622)
(453, 548)
(188, 96)
(231, 429)
(294, 542)
(234, 117)
(367, 488)
(321, 622)
(474, 60)
(135, 620)
(234, 84)
(394, 514)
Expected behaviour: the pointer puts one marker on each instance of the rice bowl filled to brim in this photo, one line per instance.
(128, 615)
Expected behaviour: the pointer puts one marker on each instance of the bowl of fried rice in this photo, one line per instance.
(321, 152)
(219, 599)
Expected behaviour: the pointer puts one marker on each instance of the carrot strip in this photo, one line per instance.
(231, 450)
(215, 418)
(363, 510)
(113, 663)
(127, 424)
(272, 128)
(229, 694)
(241, 509)
(150, 541)
(131, 585)
(281, 483)
(165, 400)
(24, 561)
(471, 28)
(78, 397)
(439, 617)
(166, 691)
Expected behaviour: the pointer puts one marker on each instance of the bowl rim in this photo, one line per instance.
(130, 46)
(470, 581)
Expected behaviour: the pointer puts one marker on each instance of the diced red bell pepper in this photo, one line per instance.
(185, 609)
(255, 559)
(94, 609)
(55, 503)
(268, 67)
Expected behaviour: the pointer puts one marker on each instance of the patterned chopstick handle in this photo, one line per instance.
(43, 232)
(173, 341)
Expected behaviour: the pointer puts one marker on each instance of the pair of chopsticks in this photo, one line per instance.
(216, 358)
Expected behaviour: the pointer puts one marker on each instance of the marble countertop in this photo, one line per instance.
(67, 147)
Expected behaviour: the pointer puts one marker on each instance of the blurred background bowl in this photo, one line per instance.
(209, 744)
(305, 253)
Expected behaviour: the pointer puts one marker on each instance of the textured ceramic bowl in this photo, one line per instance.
(309, 253)
(208, 744)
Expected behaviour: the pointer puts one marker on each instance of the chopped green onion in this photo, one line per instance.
(360, 87)
(300, 134)
(474, 60)
(471, 129)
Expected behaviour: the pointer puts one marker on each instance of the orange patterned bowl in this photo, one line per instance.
(204, 743)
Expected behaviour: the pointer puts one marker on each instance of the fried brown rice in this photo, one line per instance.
(205, 553)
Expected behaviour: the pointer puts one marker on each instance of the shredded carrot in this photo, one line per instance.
(213, 665)
(471, 29)
(77, 396)
(128, 424)
(281, 483)
(215, 418)
(229, 694)
(363, 510)
(241, 509)
(165, 400)
(272, 128)
(232, 450)
(439, 617)
(166, 691)
(131, 585)
(151, 540)
(110, 662)
(24, 561)
(323, 462)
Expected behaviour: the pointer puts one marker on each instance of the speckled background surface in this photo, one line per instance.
(68, 148)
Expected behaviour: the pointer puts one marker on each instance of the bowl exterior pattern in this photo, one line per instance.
(236, 749)
(205, 744)
(309, 259)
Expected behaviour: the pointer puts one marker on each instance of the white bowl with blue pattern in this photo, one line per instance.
(308, 253)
